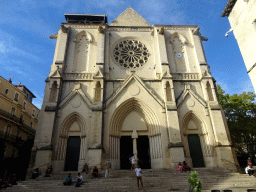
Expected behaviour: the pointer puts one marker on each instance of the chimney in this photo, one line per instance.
(10, 80)
(19, 84)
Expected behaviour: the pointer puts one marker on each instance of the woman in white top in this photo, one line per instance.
(138, 175)
(249, 170)
(133, 161)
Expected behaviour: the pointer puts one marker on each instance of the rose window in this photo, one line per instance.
(131, 54)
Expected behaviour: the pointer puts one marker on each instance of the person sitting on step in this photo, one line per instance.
(95, 172)
(249, 170)
(85, 168)
(68, 180)
(79, 180)
(35, 174)
(185, 167)
(48, 171)
(179, 167)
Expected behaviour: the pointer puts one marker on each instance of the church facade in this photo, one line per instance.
(130, 88)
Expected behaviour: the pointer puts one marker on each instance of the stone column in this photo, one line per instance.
(223, 146)
(199, 52)
(100, 48)
(175, 143)
(135, 137)
(95, 147)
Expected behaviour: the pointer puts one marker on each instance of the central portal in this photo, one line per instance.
(126, 151)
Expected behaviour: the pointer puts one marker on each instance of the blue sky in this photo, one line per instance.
(26, 52)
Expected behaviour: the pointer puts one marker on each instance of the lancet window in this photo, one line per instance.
(209, 91)
(178, 47)
(168, 92)
(53, 92)
(81, 55)
(97, 92)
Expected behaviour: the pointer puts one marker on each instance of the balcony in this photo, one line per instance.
(17, 121)
(12, 139)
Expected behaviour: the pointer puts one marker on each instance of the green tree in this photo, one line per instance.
(240, 112)
(195, 182)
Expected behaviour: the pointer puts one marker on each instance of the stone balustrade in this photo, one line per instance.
(185, 76)
(78, 76)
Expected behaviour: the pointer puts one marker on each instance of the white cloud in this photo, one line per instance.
(3, 48)
(161, 12)
(245, 85)
(38, 100)
(17, 70)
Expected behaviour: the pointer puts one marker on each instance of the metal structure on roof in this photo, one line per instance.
(228, 8)
(86, 18)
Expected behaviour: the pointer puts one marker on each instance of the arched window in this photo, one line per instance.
(97, 92)
(82, 43)
(53, 92)
(178, 41)
(168, 92)
(209, 91)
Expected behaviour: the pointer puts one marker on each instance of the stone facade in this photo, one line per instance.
(129, 79)
(18, 121)
(242, 19)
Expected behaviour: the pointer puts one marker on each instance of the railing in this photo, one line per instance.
(11, 137)
(185, 76)
(17, 120)
(78, 76)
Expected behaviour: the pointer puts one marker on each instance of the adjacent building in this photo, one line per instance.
(242, 19)
(18, 121)
(126, 88)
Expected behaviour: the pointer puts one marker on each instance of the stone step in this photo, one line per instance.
(154, 180)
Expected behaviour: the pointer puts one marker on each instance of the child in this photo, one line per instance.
(179, 167)
(138, 175)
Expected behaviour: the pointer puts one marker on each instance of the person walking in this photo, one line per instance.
(138, 175)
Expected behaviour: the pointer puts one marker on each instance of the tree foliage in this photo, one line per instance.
(195, 182)
(240, 112)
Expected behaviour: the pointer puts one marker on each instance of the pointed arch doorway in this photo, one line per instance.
(135, 130)
(72, 144)
(72, 154)
(195, 150)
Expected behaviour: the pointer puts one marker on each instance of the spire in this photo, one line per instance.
(130, 18)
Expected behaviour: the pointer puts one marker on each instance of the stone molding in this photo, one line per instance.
(81, 26)
(50, 108)
(131, 29)
(78, 76)
(185, 76)
(72, 94)
(175, 145)
(184, 94)
(126, 82)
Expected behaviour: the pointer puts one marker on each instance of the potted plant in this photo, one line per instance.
(195, 183)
